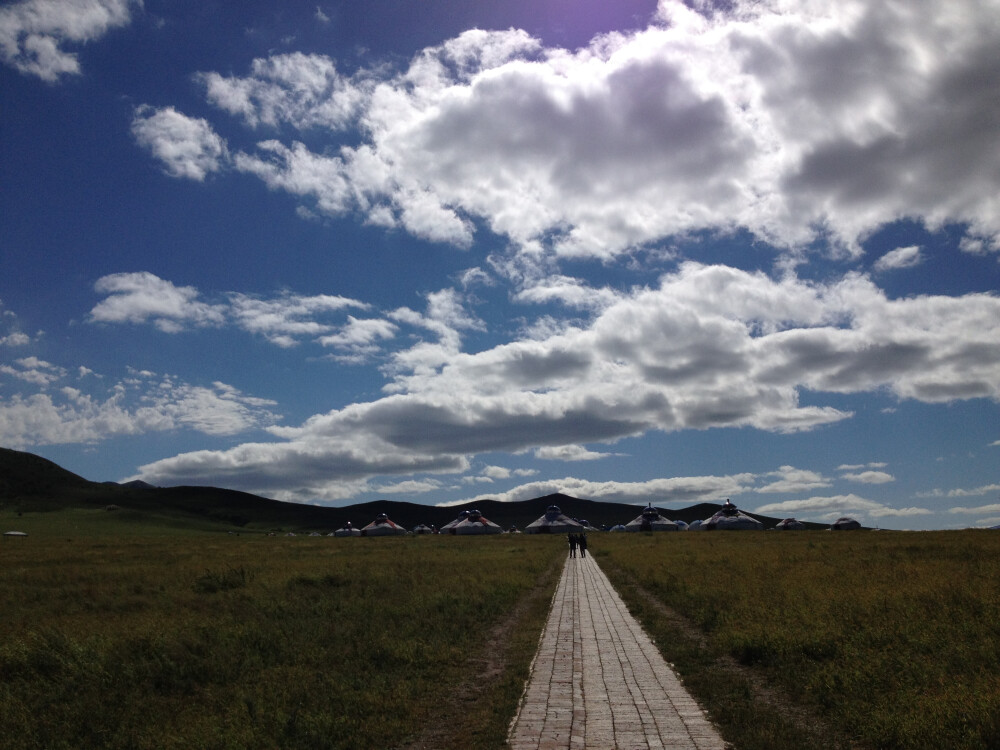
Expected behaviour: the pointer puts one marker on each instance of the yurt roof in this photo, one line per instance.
(383, 525)
(790, 524)
(731, 518)
(471, 522)
(553, 521)
(651, 519)
(845, 523)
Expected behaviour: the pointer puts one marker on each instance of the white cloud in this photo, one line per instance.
(142, 404)
(796, 121)
(831, 508)
(671, 491)
(978, 510)
(985, 489)
(901, 257)
(869, 477)
(186, 146)
(711, 346)
(358, 339)
(410, 487)
(568, 453)
(33, 32)
(496, 472)
(14, 336)
(34, 370)
(286, 319)
(141, 297)
(794, 480)
(304, 90)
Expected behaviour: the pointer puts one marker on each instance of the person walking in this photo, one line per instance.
(572, 545)
(582, 543)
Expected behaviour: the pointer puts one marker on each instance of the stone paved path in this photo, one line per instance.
(599, 682)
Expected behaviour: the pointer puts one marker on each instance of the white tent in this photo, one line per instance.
(382, 526)
(422, 528)
(731, 518)
(447, 528)
(553, 522)
(650, 520)
(347, 530)
(471, 522)
(790, 524)
(845, 524)
(617, 527)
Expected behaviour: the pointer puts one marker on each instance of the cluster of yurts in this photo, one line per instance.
(729, 518)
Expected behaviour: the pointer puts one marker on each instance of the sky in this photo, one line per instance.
(439, 251)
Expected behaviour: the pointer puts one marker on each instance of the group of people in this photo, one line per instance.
(575, 541)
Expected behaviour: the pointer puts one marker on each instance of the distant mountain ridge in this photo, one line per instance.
(30, 483)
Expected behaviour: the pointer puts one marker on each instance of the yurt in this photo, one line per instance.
(731, 518)
(447, 528)
(471, 522)
(845, 524)
(347, 530)
(789, 524)
(422, 528)
(382, 526)
(617, 527)
(553, 522)
(650, 520)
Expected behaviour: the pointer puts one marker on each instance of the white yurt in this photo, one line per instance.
(382, 526)
(422, 528)
(554, 522)
(447, 528)
(789, 524)
(347, 530)
(845, 524)
(731, 518)
(651, 520)
(617, 527)
(473, 522)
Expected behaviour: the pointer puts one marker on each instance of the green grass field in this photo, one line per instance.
(891, 638)
(120, 635)
(120, 631)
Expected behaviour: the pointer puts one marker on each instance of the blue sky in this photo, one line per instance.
(438, 251)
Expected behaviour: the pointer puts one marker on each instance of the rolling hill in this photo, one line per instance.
(30, 483)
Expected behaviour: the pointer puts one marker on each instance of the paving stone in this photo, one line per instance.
(599, 682)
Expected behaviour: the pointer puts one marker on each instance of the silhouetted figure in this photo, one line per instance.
(582, 541)
(572, 545)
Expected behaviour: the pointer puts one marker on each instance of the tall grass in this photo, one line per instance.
(215, 641)
(893, 637)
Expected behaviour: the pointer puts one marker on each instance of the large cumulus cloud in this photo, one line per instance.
(709, 346)
(794, 120)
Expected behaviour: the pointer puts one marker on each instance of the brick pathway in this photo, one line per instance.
(599, 682)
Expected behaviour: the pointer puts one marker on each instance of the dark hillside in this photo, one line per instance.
(30, 483)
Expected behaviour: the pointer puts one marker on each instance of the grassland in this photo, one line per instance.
(127, 630)
(119, 634)
(890, 639)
